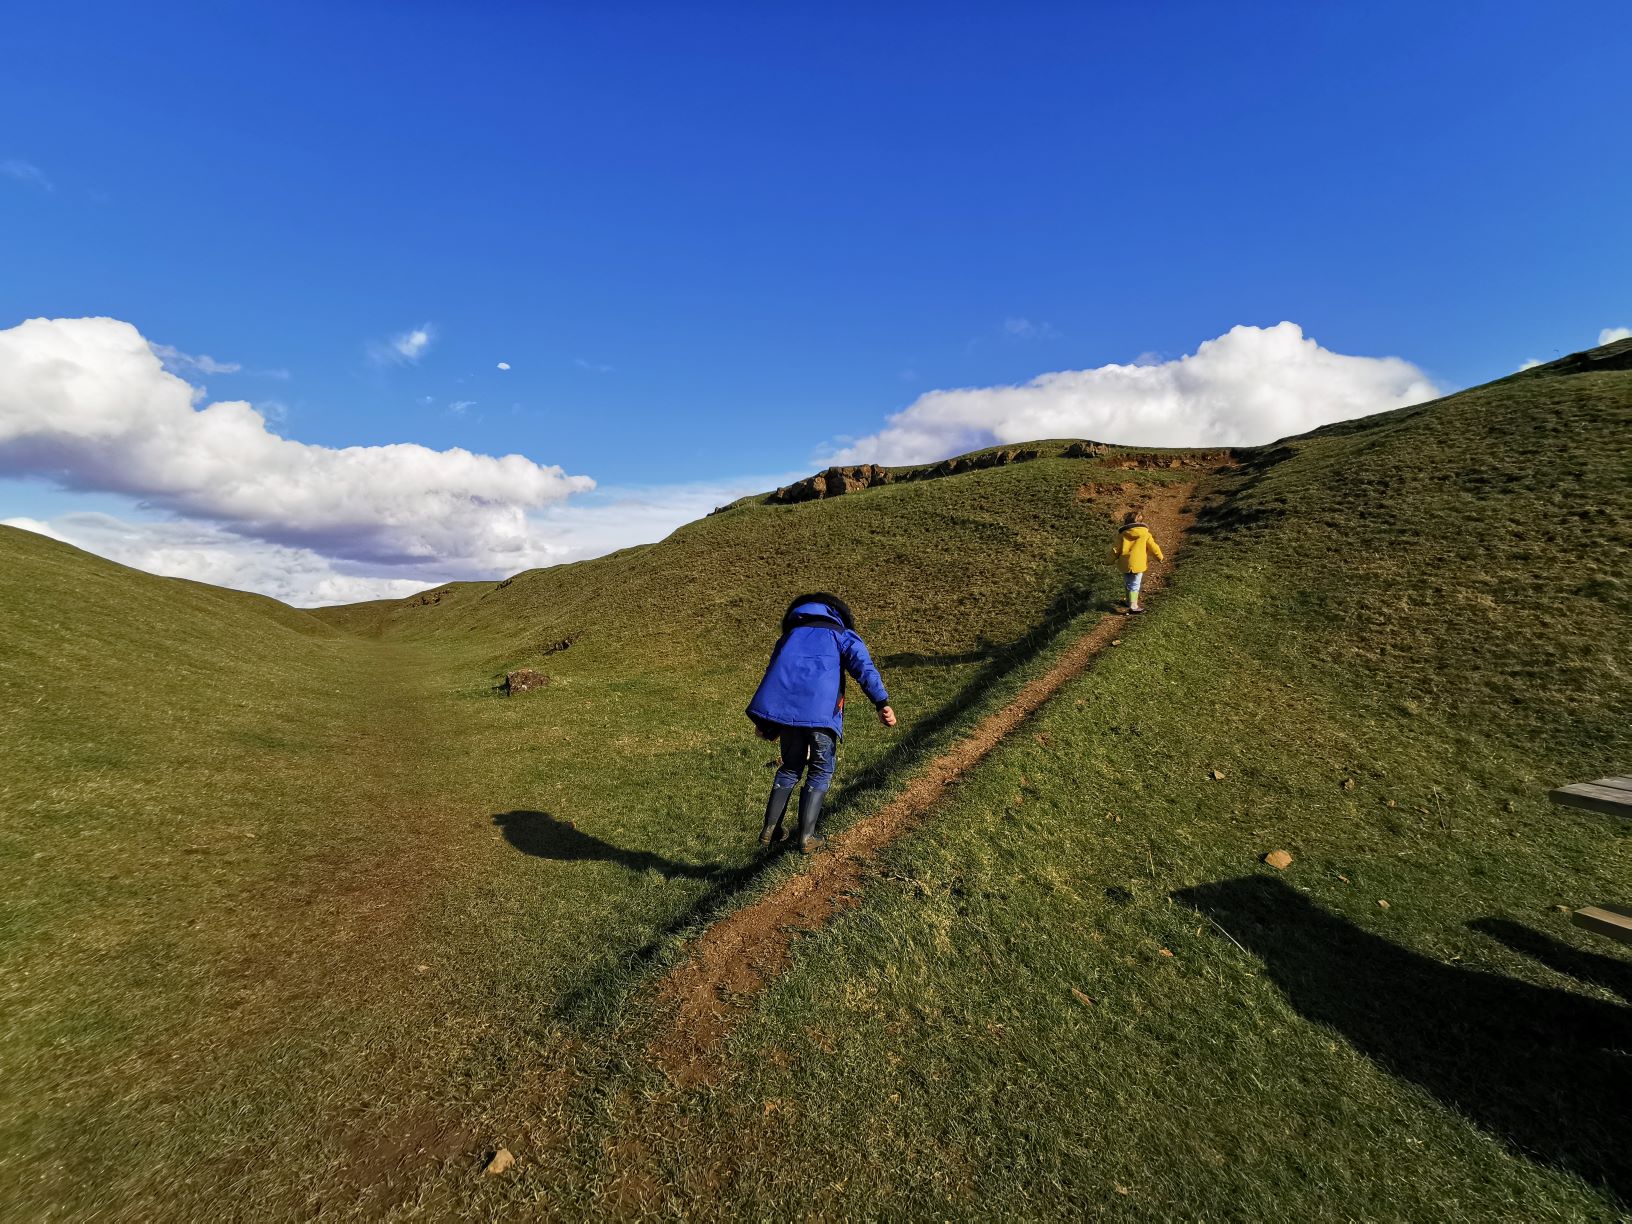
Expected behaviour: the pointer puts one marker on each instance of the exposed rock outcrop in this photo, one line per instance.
(524, 680)
(839, 480)
(847, 479)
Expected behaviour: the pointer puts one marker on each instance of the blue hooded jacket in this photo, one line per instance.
(804, 682)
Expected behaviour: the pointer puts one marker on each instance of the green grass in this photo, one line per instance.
(444, 932)
(1429, 605)
(297, 882)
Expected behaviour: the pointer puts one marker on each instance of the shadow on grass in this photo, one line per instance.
(1544, 1070)
(1610, 972)
(917, 740)
(981, 654)
(1231, 508)
(542, 835)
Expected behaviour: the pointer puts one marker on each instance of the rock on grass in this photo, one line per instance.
(502, 1161)
(524, 680)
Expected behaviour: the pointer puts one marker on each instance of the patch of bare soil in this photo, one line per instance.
(736, 957)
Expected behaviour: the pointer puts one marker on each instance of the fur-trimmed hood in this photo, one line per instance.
(838, 608)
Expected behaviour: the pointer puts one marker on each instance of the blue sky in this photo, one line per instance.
(720, 241)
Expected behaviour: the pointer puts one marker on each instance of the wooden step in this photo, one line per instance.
(1610, 795)
(1604, 921)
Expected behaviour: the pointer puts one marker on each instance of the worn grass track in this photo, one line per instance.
(744, 951)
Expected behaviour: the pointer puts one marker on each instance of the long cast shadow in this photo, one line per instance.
(1545, 1070)
(542, 835)
(1612, 973)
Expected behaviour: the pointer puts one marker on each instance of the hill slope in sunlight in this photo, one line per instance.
(310, 915)
(261, 845)
(1079, 982)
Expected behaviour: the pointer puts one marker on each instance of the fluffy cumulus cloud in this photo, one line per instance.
(221, 498)
(1249, 386)
(1611, 334)
(88, 404)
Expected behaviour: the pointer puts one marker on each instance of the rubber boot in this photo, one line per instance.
(810, 811)
(774, 807)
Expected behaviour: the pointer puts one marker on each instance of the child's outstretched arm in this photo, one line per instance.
(1157, 549)
(853, 651)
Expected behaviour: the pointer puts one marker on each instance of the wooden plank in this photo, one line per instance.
(1601, 921)
(1593, 798)
(1620, 783)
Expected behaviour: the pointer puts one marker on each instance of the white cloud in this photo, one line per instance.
(87, 404)
(27, 173)
(618, 517)
(404, 349)
(1249, 386)
(176, 361)
(1611, 334)
(592, 366)
(1027, 330)
(1529, 364)
(206, 553)
(607, 520)
(457, 407)
(504, 365)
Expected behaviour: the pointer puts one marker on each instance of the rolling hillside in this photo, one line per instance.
(314, 917)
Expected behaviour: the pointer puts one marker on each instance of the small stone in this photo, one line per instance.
(1217, 775)
(1278, 859)
(1382, 905)
(1391, 803)
(1116, 641)
(1561, 909)
(1166, 952)
(502, 1160)
(1348, 783)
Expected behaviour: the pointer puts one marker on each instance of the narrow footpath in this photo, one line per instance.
(704, 996)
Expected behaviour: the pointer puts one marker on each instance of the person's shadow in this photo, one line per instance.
(1547, 1071)
(542, 835)
(1613, 973)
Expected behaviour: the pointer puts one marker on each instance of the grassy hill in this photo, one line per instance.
(312, 916)
(292, 877)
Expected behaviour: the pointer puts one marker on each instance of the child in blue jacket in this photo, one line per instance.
(801, 701)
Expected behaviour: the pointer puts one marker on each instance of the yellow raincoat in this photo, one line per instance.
(1132, 547)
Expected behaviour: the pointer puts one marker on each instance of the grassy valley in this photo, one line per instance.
(311, 916)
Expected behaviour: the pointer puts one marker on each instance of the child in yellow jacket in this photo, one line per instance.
(1130, 552)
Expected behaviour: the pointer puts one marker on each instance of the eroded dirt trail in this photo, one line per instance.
(704, 996)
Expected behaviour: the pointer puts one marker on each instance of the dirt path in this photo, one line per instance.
(706, 994)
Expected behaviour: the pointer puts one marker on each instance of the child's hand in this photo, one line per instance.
(886, 716)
